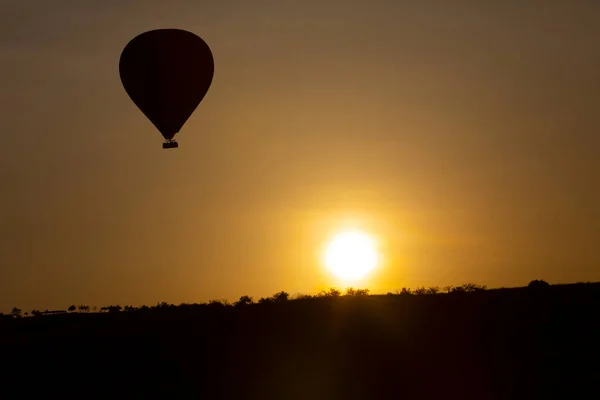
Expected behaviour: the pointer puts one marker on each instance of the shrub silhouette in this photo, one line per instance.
(164, 305)
(356, 292)
(111, 309)
(471, 287)
(538, 284)
(302, 296)
(331, 293)
(218, 304)
(458, 289)
(421, 291)
(433, 290)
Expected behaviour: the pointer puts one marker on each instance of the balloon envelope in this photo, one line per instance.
(167, 72)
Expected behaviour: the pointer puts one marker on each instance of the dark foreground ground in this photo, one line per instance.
(496, 344)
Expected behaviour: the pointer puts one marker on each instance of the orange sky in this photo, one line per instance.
(464, 135)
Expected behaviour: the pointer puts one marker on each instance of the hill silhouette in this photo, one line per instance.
(540, 341)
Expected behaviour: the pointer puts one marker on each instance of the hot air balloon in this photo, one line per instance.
(167, 72)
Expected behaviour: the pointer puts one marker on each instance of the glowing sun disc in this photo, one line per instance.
(351, 255)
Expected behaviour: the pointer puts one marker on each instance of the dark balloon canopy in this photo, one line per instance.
(167, 72)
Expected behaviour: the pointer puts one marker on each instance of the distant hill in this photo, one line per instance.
(536, 342)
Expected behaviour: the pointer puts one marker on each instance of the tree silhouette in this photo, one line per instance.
(243, 301)
(539, 287)
(16, 312)
(265, 300)
(72, 308)
(281, 296)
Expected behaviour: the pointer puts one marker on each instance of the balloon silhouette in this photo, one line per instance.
(167, 72)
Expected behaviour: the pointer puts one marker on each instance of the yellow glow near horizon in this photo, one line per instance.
(351, 255)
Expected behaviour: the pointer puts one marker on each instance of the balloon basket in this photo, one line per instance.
(171, 144)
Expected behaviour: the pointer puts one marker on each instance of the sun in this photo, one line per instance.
(351, 255)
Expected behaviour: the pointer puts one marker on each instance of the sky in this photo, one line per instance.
(462, 135)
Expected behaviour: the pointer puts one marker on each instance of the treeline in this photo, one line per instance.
(275, 298)
(465, 341)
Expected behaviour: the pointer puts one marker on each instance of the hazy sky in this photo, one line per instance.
(464, 135)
